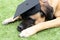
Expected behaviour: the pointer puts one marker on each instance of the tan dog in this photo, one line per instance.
(44, 25)
(40, 20)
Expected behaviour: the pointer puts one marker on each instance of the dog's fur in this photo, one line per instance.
(39, 20)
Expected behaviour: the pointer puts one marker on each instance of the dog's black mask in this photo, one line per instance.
(25, 24)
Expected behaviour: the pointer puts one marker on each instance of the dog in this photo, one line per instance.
(51, 10)
(33, 16)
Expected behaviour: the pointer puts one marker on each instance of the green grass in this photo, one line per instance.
(9, 32)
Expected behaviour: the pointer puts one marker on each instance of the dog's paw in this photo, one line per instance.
(27, 32)
(7, 21)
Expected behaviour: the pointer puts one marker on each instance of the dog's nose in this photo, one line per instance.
(20, 28)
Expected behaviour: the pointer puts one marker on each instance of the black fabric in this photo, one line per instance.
(25, 6)
(32, 11)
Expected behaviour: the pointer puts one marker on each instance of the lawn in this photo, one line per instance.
(9, 32)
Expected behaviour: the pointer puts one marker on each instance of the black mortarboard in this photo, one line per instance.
(25, 6)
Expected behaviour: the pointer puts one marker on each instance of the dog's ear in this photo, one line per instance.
(47, 9)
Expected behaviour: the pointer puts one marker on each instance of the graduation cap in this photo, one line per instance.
(25, 6)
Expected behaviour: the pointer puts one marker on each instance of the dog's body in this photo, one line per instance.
(55, 4)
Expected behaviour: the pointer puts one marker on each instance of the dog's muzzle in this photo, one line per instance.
(25, 24)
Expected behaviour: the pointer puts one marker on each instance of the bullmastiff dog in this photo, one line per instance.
(49, 18)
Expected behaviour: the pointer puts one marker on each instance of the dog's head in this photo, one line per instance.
(29, 19)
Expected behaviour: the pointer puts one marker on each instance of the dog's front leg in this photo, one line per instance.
(9, 20)
(41, 26)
